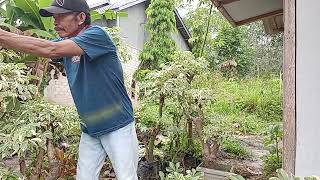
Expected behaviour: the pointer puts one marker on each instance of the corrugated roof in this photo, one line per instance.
(120, 5)
(99, 3)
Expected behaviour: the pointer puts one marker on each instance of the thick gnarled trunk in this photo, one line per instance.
(23, 166)
(36, 172)
(54, 168)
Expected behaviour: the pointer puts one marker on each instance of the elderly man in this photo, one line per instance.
(96, 81)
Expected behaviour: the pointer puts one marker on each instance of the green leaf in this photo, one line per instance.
(282, 174)
(48, 22)
(41, 33)
(312, 178)
(9, 26)
(95, 15)
(122, 14)
(274, 178)
(162, 176)
(11, 14)
(26, 17)
(30, 6)
(28, 57)
(44, 3)
(3, 12)
(110, 14)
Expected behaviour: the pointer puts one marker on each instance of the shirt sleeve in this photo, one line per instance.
(95, 42)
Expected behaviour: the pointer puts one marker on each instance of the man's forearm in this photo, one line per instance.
(31, 45)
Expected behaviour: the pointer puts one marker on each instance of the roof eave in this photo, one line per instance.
(184, 30)
(220, 6)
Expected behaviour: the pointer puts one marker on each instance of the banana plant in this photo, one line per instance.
(24, 14)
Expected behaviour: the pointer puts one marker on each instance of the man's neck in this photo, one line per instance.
(79, 31)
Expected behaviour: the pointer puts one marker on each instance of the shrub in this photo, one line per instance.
(235, 147)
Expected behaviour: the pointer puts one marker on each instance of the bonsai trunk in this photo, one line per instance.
(189, 120)
(210, 151)
(39, 68)
(189, 126)
(210, 146)
(22, 164)
(54, 167)
(36, 172)
(154, 132)
(150, 144)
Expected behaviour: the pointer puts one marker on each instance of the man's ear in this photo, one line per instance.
(81, 18)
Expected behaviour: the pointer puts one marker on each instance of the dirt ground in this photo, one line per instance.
(251, 168)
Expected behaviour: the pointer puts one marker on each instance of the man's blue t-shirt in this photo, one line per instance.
(97, 84)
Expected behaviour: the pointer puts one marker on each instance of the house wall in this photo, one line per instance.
(58, 91)
(132, 27)
(307, 87)
(181, 43)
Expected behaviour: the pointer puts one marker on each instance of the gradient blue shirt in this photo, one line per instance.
(97, 84)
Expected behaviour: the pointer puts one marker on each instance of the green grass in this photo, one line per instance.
(235, 147)
(249, 106)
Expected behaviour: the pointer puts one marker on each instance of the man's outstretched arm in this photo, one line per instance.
(39, 47)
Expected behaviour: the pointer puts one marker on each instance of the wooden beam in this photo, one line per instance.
(252, 19)
(223, 2)
(274, 23)
(224, 12)
(289, 70)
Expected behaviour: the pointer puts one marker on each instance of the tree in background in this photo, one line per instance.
(161, 24)
(198, 24)
(268, 50)
(232, 49)
(246, 49)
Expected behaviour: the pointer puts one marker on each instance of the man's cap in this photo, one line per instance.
(65, 6)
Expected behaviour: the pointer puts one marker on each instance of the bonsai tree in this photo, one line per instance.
(151, 116)
(33, 128)
(185, 82)
(192, 86)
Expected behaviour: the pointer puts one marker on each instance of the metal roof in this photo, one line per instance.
(97, 4)
(240, 12)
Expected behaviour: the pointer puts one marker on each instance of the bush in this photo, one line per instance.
(271, 164)
(175, 172)
(8, 174)
(235, 147)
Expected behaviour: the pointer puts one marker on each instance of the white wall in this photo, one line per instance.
(308, 87)
(181, 43)
(132, 27)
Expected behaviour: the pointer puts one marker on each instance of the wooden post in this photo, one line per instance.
(289, 115)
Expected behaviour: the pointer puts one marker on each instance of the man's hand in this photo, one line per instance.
(39, 47)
